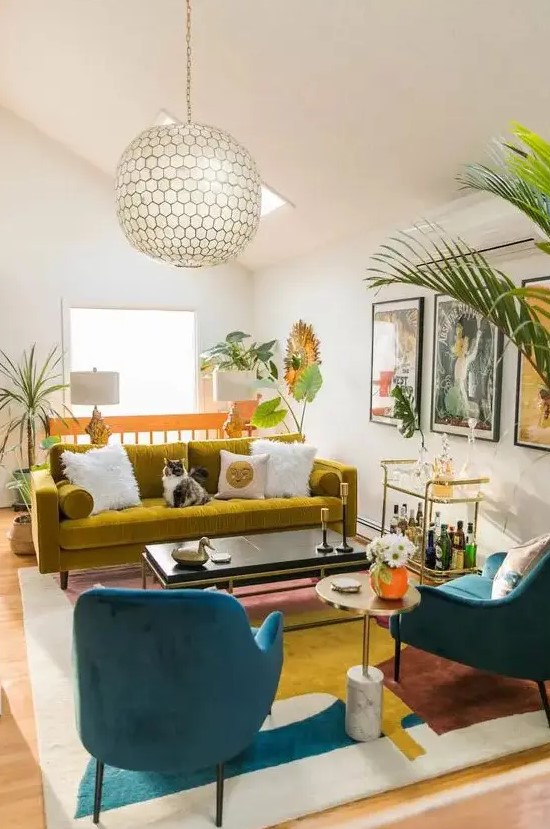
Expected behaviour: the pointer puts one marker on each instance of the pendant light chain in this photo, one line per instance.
(188, 40)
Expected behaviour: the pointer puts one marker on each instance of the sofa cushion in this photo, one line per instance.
(206, 453)
(154, 521)
(289, 467)
(106, 473)
(147, 460)
(324, 483)
(242, 476)
(148, 463)
(74, 501)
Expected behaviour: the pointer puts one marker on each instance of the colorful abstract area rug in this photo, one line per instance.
(441, 718)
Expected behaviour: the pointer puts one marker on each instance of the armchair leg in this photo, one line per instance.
(544, 698)
(99, 767)
(64, 579)
(397, 657)
(219, 794)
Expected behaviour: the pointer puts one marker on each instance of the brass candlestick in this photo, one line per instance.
(324, 547)
(344, 547)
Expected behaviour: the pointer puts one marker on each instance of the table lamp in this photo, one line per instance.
(230, 387)
(90, 388)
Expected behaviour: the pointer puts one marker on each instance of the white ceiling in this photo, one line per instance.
(358, 111)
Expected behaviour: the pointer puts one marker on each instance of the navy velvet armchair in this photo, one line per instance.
(460, 621)
(171, 681)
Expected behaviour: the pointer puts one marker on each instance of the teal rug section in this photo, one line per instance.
(319, 734)
(411, 720)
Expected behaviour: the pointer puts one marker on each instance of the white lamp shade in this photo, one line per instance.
(229, 386)
(89, 388)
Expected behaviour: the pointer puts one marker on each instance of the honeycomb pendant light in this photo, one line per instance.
(188, 194)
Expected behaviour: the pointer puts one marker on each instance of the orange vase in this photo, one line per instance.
(398, 586)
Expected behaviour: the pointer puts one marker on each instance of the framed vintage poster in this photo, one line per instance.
(396, 353)
(532, 396)
(467, 371)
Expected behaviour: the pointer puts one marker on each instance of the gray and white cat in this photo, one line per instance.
(183, 489)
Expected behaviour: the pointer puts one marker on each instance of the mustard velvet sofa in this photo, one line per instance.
(118, 536)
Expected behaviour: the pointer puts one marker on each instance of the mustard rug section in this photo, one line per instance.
(317, 660)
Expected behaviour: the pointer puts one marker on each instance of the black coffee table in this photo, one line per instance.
(255, 559)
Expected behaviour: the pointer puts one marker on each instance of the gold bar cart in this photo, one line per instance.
(425, 492)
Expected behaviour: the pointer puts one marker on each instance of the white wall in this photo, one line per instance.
(60, 241)
(326, 289)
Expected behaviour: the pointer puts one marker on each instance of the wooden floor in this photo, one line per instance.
(518, 806)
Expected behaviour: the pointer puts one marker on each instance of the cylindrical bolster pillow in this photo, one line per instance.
(322, 482)
(74, 502)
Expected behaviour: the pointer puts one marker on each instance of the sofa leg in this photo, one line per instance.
(64, 579)
(544, 698)
(99, 768)
(219, 794)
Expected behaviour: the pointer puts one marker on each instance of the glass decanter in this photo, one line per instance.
(422, 470)
(444, 469)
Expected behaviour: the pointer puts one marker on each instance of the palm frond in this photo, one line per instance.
(519, 174)
(453, 268)
(29, 387)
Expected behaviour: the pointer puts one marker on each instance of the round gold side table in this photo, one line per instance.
(364, 687)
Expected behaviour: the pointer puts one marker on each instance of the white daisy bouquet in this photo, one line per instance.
(388, 551)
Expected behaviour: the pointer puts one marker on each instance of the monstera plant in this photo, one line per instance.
(519, 174)
(237, 353)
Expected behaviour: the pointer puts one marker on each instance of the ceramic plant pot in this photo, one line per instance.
(20, 535)
(394, 589)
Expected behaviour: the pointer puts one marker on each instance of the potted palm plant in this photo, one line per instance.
(520, 175)
(26, 390)
(20, 532)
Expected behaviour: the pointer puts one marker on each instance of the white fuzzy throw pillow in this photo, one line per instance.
(288, 468)
(106, 474)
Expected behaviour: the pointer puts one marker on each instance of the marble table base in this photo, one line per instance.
(364, 704)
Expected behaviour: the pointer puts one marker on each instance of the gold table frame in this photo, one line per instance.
(147, 566)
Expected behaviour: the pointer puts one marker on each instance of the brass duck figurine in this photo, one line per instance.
(192, 554)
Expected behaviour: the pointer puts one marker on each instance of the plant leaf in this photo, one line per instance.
(453, 268)
(404, 410)
(236, 336)
(268, 414)
(308, 384)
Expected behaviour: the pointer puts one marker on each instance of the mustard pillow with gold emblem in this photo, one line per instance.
(242, 476)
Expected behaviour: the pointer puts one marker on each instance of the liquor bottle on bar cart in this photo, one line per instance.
(437, 524)
(394, 523)
(430, 559)
(419, 539)
(403, 523)
(470, 548)
(451, 532)
(411, 528)
(445, 547)
(459, 544)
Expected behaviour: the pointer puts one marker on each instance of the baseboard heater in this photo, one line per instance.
(365, 527)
